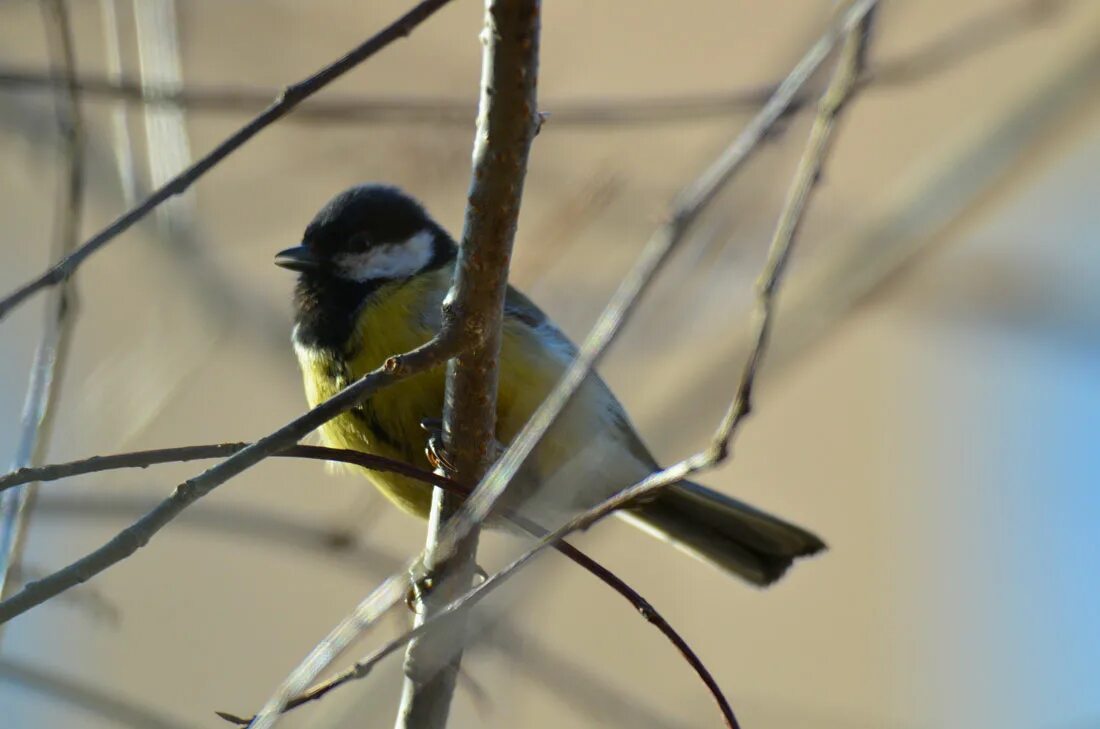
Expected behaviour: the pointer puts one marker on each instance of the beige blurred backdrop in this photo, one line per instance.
(930, 405)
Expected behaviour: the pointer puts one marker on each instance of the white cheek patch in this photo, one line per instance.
(390, 260)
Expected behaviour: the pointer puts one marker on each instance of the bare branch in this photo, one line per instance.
(986, 31)
(144, 459)
(287, 100)
(138, 534)
(182, 454)
(51, 356)
(841, 87)
(404, 110)
(481, 501)
(834, 99)
(363, 667)
(691, 201)
(507, 123)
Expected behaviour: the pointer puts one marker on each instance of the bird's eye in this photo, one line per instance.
(358, 242)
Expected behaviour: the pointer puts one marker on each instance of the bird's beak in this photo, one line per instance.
(298, 258)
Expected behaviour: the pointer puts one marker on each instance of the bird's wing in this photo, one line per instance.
(526, 317)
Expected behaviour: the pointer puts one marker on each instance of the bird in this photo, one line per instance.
(373, 271)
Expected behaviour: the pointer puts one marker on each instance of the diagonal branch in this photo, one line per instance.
(288, 99)
(402, 109)
(690, 203)
(48, 368)
(138, 534)
(144, 459)
(840, 89)
(844, 83)
(1000, 24)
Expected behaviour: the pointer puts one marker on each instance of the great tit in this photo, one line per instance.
(373, 269)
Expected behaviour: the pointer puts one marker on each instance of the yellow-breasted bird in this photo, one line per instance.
(374, 269)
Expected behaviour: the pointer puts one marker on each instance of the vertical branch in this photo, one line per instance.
(122, 143)
(48, 367)
(507, 123)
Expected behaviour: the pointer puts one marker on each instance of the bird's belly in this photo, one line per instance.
(388, 425)
(581, 460)
(573, 467)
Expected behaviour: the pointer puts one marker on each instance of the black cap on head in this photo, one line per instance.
(365, 216)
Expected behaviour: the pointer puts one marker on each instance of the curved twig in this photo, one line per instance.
(52, 354)
(153, 457)
(287, 100)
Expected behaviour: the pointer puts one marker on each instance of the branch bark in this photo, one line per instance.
(986, 31)
(138, 534)
(843, 83)
(51, 356)
(507, 124)
(288, 99)
(144, 459)
(690, 203)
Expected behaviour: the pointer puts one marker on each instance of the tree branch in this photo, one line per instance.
(138, 534)
(832, 102)
(362, 668)
(287, 100)
(399, 109)
(843, 84)
(507, 123)
(144, 459)
(51, 356)
(689, 204)
(986, 31)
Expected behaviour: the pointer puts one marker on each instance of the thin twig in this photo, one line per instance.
(182, 454)
(689, 204)
(402, 109)
(281, 531)
(442, 347)
(982, 33)
(138, 534)
(51, 356)
(147, 458)
(361, 668)
(287, 100)
(840, 89)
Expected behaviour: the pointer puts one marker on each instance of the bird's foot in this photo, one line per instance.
(437, 452)
(420, 589)
(434, 449)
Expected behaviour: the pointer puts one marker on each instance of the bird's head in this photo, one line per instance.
(369, 234)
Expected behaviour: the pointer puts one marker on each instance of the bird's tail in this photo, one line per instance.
(724, 532)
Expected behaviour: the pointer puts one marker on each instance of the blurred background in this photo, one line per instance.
(930, 404)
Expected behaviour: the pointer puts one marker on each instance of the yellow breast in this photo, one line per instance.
(388, 423)
(399, 318)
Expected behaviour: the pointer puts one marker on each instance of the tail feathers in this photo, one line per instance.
(725, 532)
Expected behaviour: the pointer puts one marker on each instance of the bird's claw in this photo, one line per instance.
(434, 449)
(437, 452)
(418, 590)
